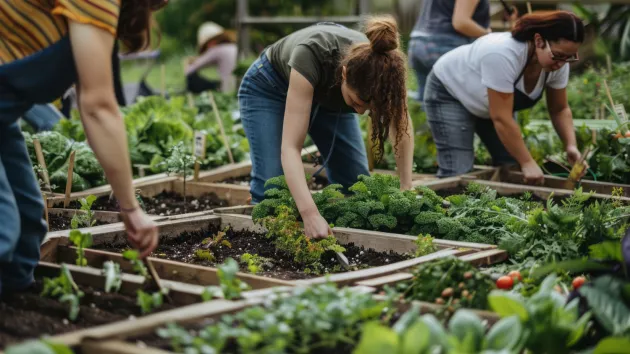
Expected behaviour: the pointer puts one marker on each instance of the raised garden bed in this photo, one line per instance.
(394, 250)
(61, 219)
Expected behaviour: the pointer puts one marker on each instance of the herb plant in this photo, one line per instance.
(180, 162)
(230, 286)
(81, 241)
(65, 290)
(85, 219)
(138, 265)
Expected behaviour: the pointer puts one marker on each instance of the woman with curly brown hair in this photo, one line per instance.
(315, 81)
(45, 47)
(478, 87)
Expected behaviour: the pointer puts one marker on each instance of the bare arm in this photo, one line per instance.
(463, 22)
(501, 105)
(561, 115)
(207, 58)
(404, 157)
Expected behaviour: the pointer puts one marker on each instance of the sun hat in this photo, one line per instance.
(207, 31)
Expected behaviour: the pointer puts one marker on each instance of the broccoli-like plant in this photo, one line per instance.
(85, 219)
(81, 242)
(180, 162)
(424, 245)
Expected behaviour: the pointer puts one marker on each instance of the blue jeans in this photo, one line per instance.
(262, 96)
(453, 128)
(21, 211)
(425, 51)
(42, 117)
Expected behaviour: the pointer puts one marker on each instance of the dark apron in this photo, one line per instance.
(39, 78)
(521, 100)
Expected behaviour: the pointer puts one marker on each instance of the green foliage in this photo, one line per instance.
(41, 346)
(150, 302)
(424, 245)
(230, 286)
(85, 219)
(138, 265)
(180, 161)
(605, 297)
(449, 281)
(81, 241)
(64, 289)
(254, 262)
(321, 316)
(204, 255)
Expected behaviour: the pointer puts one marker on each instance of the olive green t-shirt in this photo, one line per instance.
(315, 52)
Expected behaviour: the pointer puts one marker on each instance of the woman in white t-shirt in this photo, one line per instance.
(476, 88)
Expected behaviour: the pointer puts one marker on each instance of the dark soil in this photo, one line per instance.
(317, 183)
(60, 222)
(165, 203)
(27, 315)
(279, 265)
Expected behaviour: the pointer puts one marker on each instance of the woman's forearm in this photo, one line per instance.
(510, 135)
(563, 124)
(105, 130)
(296, 180)
(404, 157)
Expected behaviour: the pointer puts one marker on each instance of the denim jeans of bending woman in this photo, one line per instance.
(424, 51)
(262, 97)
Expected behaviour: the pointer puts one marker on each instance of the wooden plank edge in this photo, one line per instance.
(117, 347)
(486, 257)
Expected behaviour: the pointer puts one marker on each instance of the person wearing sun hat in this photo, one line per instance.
(217, 47)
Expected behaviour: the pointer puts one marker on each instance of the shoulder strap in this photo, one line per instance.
(529, 59)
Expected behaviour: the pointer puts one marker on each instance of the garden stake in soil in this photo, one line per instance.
(42, 163)
(220, 122)
(66, 201)
(154, 282)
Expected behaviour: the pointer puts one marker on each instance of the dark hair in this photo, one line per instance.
(377, 71)
(135, 22)
(551, 25)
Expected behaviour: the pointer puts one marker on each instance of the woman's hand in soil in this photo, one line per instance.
(532, 174)
(142, 232)
(315, 226)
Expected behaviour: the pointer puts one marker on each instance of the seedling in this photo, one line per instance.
(205, 251)
(254, 262)
(113, 276)
(230, 287)
(149, 302)
(180, 163)
(65, 290)
(138, 266)
(86, 219)
(81, 241)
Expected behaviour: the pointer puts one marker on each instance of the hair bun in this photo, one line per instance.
(382, 31)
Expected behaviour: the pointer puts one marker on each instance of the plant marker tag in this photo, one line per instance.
(220, 122)
(620, 109)
(199, 151)
(42, 163)
(66, 200)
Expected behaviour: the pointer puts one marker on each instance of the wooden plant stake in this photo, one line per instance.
(46, 210)
(529, 7)
(609, 64)
(199, 152)
(42, 163)
(594, 136)
(163, 80)
(218, 117)
(66, 200)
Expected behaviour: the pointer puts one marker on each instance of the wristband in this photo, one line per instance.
(128, 210)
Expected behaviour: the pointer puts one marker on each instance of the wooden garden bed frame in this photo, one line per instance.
(516, 177)
(115, 338)
(194, 274)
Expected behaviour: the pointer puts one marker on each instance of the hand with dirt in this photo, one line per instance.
(316, 227)
(142, 232)
(573, 156)
(532, 174)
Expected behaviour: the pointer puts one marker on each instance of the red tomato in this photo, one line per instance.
(505, 282)
(515, 274)
(578, 282)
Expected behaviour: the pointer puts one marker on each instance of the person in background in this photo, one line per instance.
(478, 87)
(217, 47)
(444, 25)
(314, 81)
(45, 47)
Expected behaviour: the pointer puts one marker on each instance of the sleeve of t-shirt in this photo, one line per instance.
(303, 60)
(560, 78)
(498, 73)
(99, 13)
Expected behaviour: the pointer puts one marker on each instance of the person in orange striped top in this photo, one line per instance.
(46, 46)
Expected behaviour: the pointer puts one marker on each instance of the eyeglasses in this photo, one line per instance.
(567, 59)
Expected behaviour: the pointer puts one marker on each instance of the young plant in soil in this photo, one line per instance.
(138, 265)
(113, 276)
(149, 302)
(84, 219)
(205, 251)
(321, 318)
(41, 346)
(81, 241)
(180, 162)
(230, 286)
(254, 262)
(65, 290)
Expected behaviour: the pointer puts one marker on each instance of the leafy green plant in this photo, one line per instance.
(424, 245)
(180, 162)
(64, 289)
(230, 286)
(254, 262)
(450, 282)
(85, 219)
(149, 302)
(113, 276)
(138, 265)
(40, 346)
(81, 241)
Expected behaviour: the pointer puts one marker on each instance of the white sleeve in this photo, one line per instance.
(560, 78)
(498, 72)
